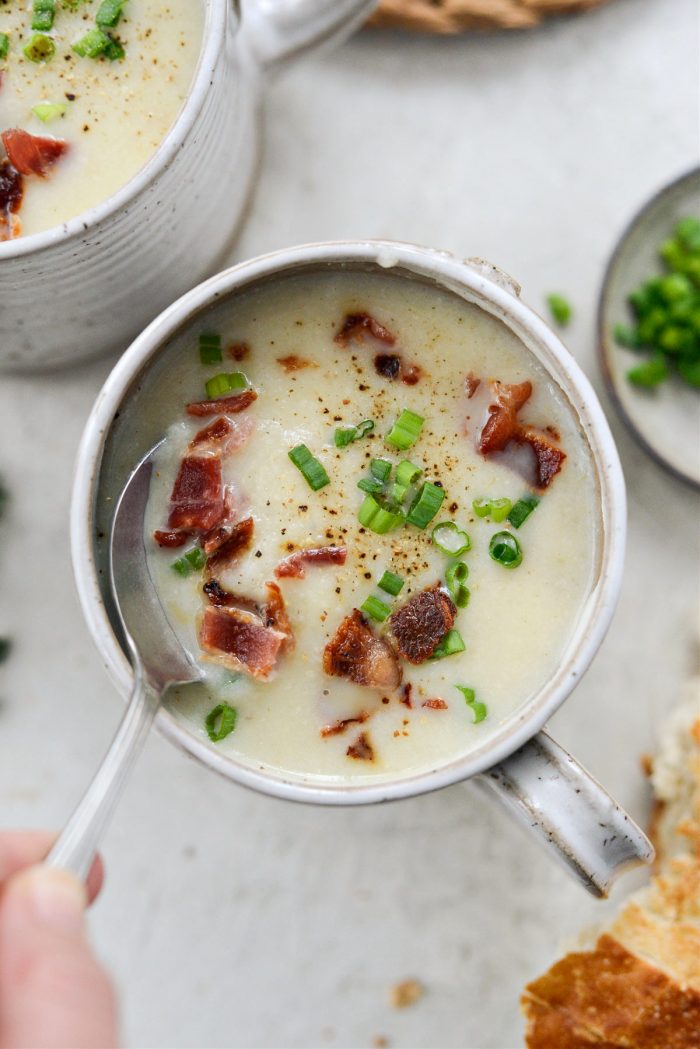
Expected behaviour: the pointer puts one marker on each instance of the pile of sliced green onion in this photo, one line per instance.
(666, 312)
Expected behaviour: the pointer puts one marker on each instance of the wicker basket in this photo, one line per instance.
(455, 16)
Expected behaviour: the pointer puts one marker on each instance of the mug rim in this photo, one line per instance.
(213, 31)
(450, 273)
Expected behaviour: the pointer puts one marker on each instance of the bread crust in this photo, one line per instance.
(639, 988)
(610, 997)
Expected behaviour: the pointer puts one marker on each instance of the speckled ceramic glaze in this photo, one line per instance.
(88, 286)
(542, 784)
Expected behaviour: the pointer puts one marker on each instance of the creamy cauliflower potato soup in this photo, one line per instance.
(88, 90)
(373, 522)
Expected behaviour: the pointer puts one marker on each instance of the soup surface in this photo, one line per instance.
(323, 684)
(102, 119)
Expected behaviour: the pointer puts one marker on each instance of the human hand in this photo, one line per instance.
(54, 994)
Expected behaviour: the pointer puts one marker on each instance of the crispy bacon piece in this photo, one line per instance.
(294, 566)
(276, 615)
(502, 424)
(217, 595)
(32, 154)
(339, 726)
(548, 458)
(391, 366)
(411, 374)
(11, 193)
(236, 402)
(197, 501)
(172, 539)
(293, 363)
(388, 365)
(435, 704)
(211, 436)
(239, 537)
(357, 653)
(358, 325)
(239, 351)
(361, 749)
(421, 623)
(503, 427)
(239, 640)
(471, 384)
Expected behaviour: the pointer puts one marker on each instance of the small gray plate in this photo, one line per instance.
(665, 420)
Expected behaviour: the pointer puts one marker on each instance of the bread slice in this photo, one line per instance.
(639, 988)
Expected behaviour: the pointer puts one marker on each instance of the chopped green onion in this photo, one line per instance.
(505, 548)
(209, 348)
(688, 232)
(43, 12)
(4, 45)
(478, 708)
(109, 13)
(451, 643)
(500, 508)
(406, 430)
(376, 518)
(93, 44)
(223, 383)
(689, 371)
(455, 578)
(560, 308)
(192, 561)
(522, 510)
(370, 484)
(450, 539)
(220, 722)
(376, 609)
(113, 50)
(380, 468)
(407, 473)
(346, 435)
(398, 491)
(390, 583)
(47, 111)
(425, 505)
(624, 335)
(313, 471)
(40, 48)
(649, 374)
(496, 509)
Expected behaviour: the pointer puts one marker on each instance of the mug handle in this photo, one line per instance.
(274, 32)
(569, 813)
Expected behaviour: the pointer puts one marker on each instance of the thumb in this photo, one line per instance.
(53, 992)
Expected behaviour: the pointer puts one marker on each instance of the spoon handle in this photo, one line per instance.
(78, 841)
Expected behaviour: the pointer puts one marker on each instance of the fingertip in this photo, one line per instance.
(95, 879)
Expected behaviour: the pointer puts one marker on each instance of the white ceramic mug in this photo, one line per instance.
(542, 784)
(89, 286)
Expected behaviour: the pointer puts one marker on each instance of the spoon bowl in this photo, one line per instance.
(158, 660)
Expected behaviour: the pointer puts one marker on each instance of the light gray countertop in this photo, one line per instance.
(232, 919)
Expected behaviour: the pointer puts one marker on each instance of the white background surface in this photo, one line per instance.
(236, 920)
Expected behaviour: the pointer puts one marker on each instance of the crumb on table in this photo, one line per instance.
(406, 993)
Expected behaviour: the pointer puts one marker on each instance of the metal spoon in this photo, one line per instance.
(158, 660)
